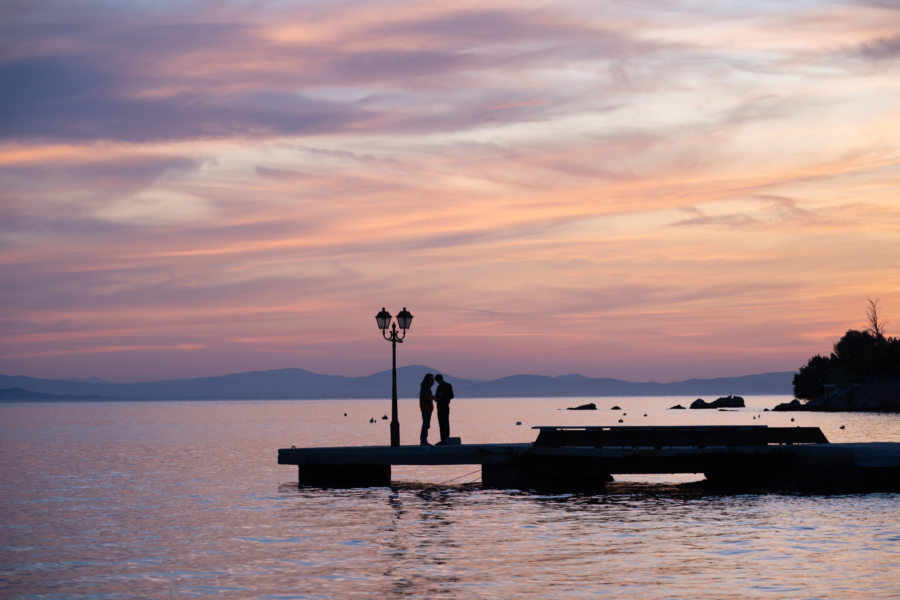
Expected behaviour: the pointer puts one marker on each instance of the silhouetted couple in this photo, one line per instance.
(442, 397)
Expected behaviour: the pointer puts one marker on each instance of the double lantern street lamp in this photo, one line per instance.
(384, 320)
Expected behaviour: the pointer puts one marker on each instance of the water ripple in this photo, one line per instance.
(165, 500)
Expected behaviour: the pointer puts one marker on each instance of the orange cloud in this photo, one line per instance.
(639, 195)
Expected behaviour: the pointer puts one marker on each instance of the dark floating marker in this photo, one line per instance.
(384, 418)
(616, 407)
(372, 420)
(345, 414)
(621, 421)
(520, 422)
(842, 426)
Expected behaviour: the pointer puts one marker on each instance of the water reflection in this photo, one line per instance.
(161, 500)
(649, 540)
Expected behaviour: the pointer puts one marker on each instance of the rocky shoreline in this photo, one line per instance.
(875, 395)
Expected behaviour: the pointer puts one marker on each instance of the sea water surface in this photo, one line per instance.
(186, 500)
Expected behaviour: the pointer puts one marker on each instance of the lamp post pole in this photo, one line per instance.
(395, 422)
(384, 319)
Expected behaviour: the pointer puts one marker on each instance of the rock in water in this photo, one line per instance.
(588, 406)
(874, 395)
(792, 405)
(729, 402)
(723, 402)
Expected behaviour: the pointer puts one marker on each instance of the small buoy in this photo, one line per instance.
(621, 421)
(345, 414)
(615, 407)
(384, 418)
(520, 422)
(792, 419)
(645, 414)
(624, 414)
(372, 420)
(842, 426)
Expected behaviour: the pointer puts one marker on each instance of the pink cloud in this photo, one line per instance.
(202, 190)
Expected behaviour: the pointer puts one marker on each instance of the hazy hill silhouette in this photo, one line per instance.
(299, 383)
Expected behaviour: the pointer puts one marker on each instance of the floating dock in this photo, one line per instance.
(572, 458)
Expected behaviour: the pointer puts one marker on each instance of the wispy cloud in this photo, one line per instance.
(616, 189)
(728, 220)
(886, 48)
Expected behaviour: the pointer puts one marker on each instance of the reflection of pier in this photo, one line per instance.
(795, 458)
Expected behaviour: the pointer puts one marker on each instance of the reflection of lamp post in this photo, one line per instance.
(404, 319)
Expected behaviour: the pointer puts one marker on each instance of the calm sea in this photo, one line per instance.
(185, 500)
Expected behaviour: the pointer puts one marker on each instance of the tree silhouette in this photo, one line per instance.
(857, 357)
(876, 326)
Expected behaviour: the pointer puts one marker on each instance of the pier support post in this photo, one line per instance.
(822, 468)
(504, 475)
(545, 472)
(343, 476)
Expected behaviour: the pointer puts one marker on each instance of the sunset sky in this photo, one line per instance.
(648, 190)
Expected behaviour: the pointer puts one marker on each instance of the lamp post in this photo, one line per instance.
(384, 320)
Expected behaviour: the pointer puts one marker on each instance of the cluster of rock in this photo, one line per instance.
(723, 402)
(875, 395)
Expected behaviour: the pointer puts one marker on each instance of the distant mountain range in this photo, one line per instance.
(298, 383)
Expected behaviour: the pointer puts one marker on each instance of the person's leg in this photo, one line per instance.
(426, 423)
(444, 422)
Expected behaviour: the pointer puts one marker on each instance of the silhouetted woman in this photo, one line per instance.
(426, 405)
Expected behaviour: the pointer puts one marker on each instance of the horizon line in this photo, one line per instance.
(427, 367)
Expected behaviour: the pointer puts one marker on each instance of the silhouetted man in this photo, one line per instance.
(442, 397)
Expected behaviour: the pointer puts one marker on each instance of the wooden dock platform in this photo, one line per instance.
(586, 457)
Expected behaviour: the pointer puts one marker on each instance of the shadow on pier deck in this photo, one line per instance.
(577, 458)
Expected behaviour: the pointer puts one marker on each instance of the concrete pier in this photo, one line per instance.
(585, 458)
(328, 467)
